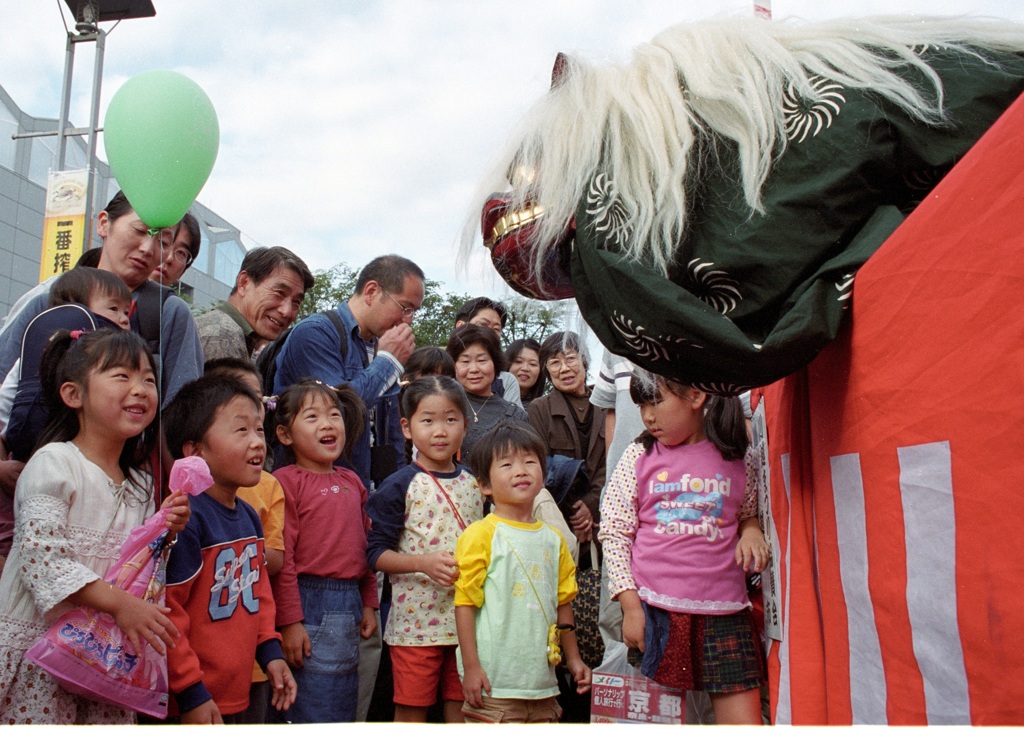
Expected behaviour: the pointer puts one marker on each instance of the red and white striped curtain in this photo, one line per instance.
(897, 470)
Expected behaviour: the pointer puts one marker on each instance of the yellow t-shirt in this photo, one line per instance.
(267, 498)
(516, 575)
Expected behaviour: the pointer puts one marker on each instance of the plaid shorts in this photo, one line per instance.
(716, 654)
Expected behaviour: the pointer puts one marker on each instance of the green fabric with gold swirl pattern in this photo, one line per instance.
(752, 299)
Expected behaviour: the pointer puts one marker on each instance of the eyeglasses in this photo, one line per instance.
(569, 360)
(181, 255)
(407, 311)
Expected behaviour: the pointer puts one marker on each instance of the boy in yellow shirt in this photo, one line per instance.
(514, 591)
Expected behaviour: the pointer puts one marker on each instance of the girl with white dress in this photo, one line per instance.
(80, 495)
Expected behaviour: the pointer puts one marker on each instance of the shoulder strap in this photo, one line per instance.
(339, 325)
(266, 362)
(455, 510)
(148, 306)
(42, 327)
(526, 573)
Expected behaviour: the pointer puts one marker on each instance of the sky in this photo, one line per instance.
(354, 129)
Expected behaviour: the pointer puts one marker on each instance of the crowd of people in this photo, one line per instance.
(454, 534)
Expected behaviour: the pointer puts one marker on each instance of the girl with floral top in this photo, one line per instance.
(417, 514)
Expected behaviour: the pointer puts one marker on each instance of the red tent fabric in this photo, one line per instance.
(897, 465)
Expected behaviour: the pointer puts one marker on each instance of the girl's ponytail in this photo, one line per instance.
(353, 415)
(725, 426)
(291, 401)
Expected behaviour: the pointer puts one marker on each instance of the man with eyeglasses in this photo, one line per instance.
(179, 255)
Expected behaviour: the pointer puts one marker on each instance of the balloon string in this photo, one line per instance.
(158, 479)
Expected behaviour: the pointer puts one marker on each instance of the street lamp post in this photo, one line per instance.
(88, 15)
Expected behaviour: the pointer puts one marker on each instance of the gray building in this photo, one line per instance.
(24, 168)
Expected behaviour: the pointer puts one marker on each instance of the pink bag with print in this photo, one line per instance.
(86, 651)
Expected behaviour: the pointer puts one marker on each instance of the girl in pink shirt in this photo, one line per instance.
(325, 593)
(680, 531)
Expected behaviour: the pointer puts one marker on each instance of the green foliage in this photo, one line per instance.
(185, 292)
(434, 321)
(330, 288)
(530, 318)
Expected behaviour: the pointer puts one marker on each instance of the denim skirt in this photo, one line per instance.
(329, 681)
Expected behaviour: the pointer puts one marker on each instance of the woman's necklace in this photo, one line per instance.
(579, 403)
(477, 412)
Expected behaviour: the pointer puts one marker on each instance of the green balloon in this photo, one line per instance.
(161, 135)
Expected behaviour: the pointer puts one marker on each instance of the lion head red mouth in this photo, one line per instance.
(508, 234)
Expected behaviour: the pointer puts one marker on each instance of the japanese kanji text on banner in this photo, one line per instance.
(64, 222)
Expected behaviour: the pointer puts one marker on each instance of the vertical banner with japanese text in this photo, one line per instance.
(64, 222)
(770, 577)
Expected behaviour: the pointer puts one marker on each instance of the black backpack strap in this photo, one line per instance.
(266, 362)
(148, 306)
(339, 325)
(498, 386)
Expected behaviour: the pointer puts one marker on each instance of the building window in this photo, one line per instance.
(8, 146)
(227, 260)
(74, 155)
(202, 262)
(41, 159)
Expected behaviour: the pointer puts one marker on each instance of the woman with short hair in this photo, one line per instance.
(478, 360)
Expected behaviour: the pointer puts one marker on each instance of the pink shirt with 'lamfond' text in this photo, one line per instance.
(669, 525)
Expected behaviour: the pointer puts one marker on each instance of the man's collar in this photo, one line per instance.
(355, 319)
(232, 311)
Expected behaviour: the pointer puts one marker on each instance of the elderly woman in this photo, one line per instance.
(478, 360)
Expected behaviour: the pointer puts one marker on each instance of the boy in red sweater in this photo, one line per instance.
(217, 586)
